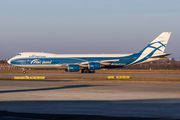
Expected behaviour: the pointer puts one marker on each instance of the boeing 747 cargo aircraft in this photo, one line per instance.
(88, 63)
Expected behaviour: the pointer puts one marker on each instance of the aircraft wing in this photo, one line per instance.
(105, 62)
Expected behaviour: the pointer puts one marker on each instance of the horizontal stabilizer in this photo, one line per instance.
(160, 56)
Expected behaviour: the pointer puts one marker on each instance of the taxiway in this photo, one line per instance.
(159, 100)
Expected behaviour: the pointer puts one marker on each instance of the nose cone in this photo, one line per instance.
(9, 61)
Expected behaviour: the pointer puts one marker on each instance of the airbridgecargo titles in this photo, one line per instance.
(88, 63)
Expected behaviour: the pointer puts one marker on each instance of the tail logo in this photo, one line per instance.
(148, 51)
(157, 45)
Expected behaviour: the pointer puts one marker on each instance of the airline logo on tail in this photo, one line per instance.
(156, 47)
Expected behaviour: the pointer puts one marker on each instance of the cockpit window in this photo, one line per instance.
(19, 54)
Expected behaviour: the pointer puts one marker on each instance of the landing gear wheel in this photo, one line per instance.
(93, 71)
(86, 71)
(23, 70)
(82, 71)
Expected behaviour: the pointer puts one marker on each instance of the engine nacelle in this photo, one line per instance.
(73, 68)
(94, 66)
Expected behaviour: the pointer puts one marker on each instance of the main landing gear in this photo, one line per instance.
(87, 71)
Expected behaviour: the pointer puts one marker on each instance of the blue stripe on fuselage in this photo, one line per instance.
(54, 61)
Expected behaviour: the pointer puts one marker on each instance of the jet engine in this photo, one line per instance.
(94, 66)
(73, 68)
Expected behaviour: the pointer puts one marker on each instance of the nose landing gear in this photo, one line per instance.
(23, 71)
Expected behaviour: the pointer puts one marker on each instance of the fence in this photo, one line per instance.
(7, 67)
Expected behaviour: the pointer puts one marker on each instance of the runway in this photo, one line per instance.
(86, 74)
(152, 100)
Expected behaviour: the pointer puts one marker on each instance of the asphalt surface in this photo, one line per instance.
(86, 74)
(114, 99)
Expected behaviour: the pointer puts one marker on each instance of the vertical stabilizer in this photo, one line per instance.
(157, 46)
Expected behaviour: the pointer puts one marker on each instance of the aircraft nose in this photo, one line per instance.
(9, 61)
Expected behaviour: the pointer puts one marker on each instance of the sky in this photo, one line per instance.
(87, 26)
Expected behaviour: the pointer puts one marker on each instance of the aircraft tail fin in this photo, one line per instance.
(154, 50)
(157, 46)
